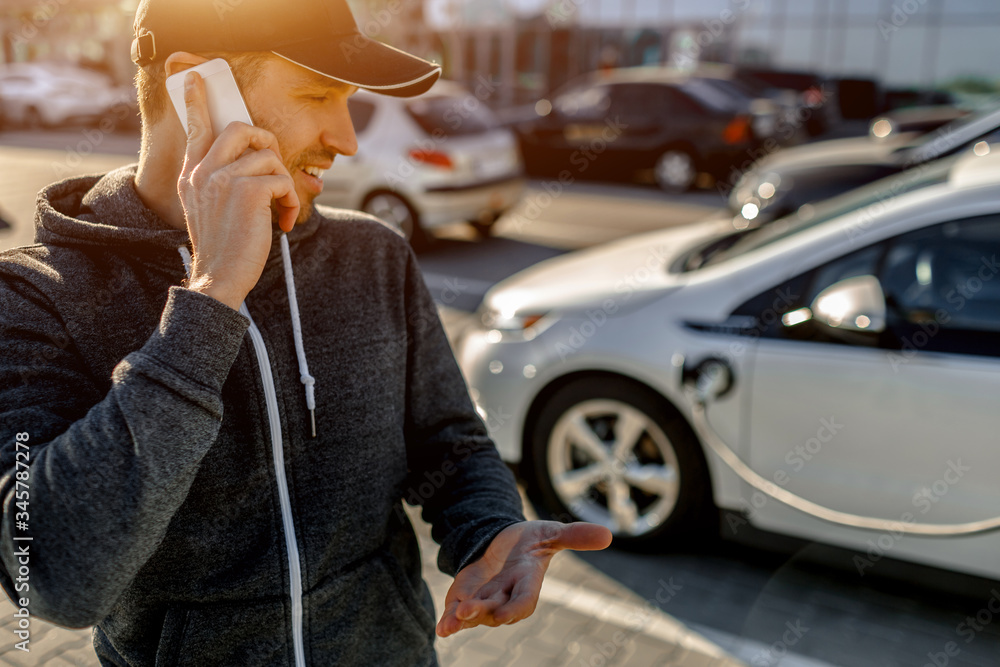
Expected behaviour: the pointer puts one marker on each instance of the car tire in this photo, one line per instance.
(675, 171)
(664, 457)
(395, 210)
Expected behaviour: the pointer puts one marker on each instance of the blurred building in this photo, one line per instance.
(536, 45)
(524, 49)
(96, 33)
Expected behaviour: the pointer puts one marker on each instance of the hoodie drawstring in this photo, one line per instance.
(186, 258)
(300, 350)
(293, 306)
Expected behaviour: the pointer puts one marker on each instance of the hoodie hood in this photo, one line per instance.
(105, 210)
(101, 210)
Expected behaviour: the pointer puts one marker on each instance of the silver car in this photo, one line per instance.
(859, 346)
(427, 162)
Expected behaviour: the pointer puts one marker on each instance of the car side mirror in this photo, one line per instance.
(852, 310)
(855, 304)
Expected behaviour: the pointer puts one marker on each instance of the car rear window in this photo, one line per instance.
(452, 115)
(710, 96)
(584, 102)
(733, 88)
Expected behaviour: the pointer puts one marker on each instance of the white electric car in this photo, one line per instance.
(425, 162)
(862, 336)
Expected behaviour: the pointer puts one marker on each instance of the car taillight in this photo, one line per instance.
(433, 158)
(738, 131)
(813, 97)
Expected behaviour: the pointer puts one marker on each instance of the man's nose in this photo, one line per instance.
(338, 135)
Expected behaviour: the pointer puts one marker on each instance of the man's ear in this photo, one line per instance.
(180, 61)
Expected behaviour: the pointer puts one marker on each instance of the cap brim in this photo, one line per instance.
(359, 61)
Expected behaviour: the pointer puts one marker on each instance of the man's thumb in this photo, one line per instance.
(584, 537)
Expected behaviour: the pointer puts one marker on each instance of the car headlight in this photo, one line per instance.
(502, 324)
(508, 321)
(511, 325)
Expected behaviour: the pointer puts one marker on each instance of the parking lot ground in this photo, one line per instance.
(583, 618)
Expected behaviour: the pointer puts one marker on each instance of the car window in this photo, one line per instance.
(676, 102)
(584, 103)
(770, 307)
(752, 84)
(941, 283)
(731, 88)
(362, 112)
(637, 102)
(945, 279)
(709, 96)
(452, 115)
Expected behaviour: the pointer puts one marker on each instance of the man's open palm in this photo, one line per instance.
(502, 587)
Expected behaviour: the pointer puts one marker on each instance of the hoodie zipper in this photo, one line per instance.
(291, 546)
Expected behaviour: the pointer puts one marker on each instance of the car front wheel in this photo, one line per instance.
(611, 452)
(675, 171)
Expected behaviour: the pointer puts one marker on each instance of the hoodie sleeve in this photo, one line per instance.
(102, 475)
(476, 495)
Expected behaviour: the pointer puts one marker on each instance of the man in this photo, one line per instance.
(213, 396)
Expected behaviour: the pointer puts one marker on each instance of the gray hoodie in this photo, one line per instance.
(159, 507)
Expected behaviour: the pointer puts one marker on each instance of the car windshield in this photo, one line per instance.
(810, 216)
(733, 88)
(453, 115)
(752, 84)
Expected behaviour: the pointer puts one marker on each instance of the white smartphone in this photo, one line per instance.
(225, 104)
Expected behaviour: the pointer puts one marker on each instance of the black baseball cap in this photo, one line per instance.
(320, 35)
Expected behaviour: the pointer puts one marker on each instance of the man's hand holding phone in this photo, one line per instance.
(226, 188)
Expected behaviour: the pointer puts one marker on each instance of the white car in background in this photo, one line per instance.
(863, 340)
(38, 95)
(425, 162)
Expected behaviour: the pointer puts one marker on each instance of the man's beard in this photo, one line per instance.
(305, 200)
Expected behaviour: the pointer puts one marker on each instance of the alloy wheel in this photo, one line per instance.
(675, 171)
(612, 464)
